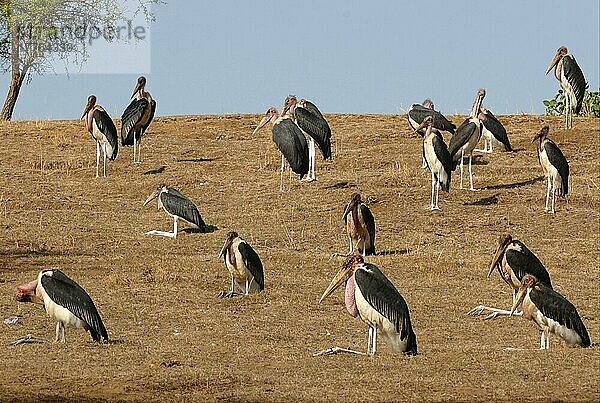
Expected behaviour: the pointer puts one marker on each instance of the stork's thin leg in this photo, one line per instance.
(374, 341)
(337, 350)
(104, 148)
(311, 159)
(97, 157)
(174, 227)
(134, 148)
(432, 189)
(462, 156)
(494, 312)
(553, 198)
(491, 142)
(437, 195)
(57, 338)
(370, 340)
(548, 334)
(548, 193)
(470, 172)
(139, 155)
(281, 176)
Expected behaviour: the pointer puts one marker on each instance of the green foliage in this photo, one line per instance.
(590, 107)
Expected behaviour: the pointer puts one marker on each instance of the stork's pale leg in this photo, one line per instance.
(470, 172)
(462, 156)
(370, 341)
(134, 148)
(97, 157)
(57, 338)
(174, 227)
(374, 341)
(311, 160)
(139, 155)
(548, 193)
(432, 188)
(437, 195)
(281, 176)
(494, 312)
(104, 149)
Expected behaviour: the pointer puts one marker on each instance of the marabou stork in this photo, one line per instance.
(137, 117)
(552, 312)
(438, 160)
(570, 77)
(177, 206)
(417, 113)
(102, 129)
(289, 140)
(243, 264)
(65, 301)
(370, 295)
(554, 164)
(360, 226)
(310, 119)
(513, 261)
(492, 129)
(466, 138)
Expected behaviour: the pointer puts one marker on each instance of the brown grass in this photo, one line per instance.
(174, 340)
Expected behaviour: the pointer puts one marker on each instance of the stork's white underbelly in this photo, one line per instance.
(60, 313)
(101, 138)
(570, 336)
(433, 162)
(549, 170)
(358, 234)
(374, 319)
(471, 143)
(240, 272)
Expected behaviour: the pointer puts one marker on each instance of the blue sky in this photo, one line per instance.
(216, 57)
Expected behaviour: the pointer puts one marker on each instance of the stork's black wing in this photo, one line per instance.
(443, 155)
(292, 144)
(152, 110)
(492, 124)
(312, 108)
(180, 206)
(466, 130)
(526, 262)
(555, 306)
(574, 76)
(418, 113)
(558, 160)
(107, 127)
(67, 293)
(370, 224)
(253, 263)
(130, 118)
(381, 294)
(316, 127)
(176, 192)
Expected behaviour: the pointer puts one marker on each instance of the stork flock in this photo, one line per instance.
(369, 294)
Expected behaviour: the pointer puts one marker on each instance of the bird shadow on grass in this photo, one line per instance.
(207, 230)
(155, 171)
(486, 201)
(340, 185)
(404, 251)
(515, 184)
(196, 159)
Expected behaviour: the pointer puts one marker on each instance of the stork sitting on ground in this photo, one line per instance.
(177, 206)
(65, 301)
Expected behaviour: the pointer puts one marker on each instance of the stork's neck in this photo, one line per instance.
(90, 116)
(476, 106)
(558, 68)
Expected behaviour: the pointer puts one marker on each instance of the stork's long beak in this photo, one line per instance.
(136, 89)
(88, 106)
(553, 62)
(26, 293)
(263, 122)
(342, 275)
(349, 208)
(519, 298)
(423, 124)
(226, 246)
(496, 259)
(153, 196)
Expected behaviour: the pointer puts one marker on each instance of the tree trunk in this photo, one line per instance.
(13, 93)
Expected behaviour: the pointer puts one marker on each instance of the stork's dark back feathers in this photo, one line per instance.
(67, 293)
(464, 132)
(176, 204)
(107, 127)
(253, 263)
(553, 305)
(418, 113)
(443, 155)
(314, 124)
(370, 224)
(558, 160)
(292, 144)
(130, 118)
(574, 76)
(386, 300)
(526, 262)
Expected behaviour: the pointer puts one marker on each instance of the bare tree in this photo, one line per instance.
(33, 33)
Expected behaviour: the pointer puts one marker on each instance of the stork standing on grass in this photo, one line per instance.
(570, 77)
(289, 140)
(243, 264)
(513, 261)
(311, 121)
(137, 117)
(360, 226)
(177, 206)
(466, 138)
(492, 129)
(65, 301)
(554, 164)
(552, 312)
(373, 298)
(102, 129)
(438, 160)
(417, 114)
